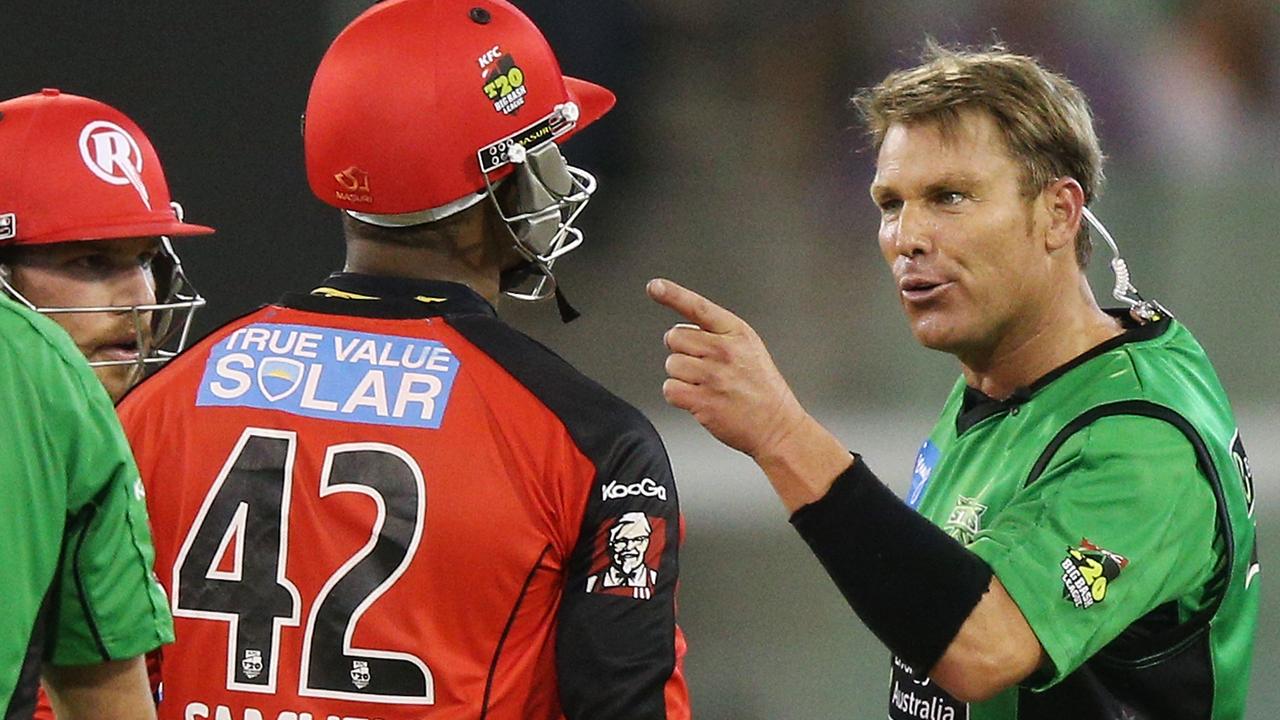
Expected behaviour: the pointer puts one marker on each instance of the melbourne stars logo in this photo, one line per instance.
(1087, 572)
(965, 520)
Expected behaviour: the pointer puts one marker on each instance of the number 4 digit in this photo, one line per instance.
(247, 505)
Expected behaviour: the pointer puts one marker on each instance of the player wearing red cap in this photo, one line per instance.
(84, 227)
(377, 500)
(83, 203)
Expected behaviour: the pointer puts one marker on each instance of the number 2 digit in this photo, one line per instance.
(331, 666)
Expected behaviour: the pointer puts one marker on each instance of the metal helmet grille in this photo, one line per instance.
(549, 196)
(161, 329)
(545, 198)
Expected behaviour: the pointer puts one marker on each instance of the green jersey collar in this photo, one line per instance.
(977, 406)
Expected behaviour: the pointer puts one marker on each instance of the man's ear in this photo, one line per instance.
(1063, 199)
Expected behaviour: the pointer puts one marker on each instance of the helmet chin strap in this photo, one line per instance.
(568, 313)
(522, 273)
(1124, 291)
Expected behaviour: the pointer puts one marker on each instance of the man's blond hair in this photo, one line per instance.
(1044, 118)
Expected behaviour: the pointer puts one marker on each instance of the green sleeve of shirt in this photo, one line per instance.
(110, 605)
(1121, 522)
(73, 496)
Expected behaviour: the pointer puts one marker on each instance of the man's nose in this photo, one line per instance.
(914, 231)
(136, 286)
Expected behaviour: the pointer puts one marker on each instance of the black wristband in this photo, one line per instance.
(910, 583)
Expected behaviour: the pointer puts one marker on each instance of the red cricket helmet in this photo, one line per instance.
(412, 90)
(420, 106)
(77, 169)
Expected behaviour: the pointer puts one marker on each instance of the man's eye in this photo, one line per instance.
(890, 206)
(92, 262)
(950, 197)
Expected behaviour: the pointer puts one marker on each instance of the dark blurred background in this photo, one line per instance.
(733, 164)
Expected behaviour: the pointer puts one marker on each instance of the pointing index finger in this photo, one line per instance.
(692, 306)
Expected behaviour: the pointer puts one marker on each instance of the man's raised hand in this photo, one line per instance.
(720, 372)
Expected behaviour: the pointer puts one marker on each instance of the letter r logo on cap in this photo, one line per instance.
(113, 155)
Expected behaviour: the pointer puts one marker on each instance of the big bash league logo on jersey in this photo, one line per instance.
(1088, 571)
(252, 663)
(360, 676)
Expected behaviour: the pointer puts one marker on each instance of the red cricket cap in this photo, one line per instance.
(77, 169)
(412, 90)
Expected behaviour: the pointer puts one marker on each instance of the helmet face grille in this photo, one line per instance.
(161, 329)
(548, 196)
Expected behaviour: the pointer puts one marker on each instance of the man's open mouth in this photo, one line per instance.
(121, 350)
(922, 289)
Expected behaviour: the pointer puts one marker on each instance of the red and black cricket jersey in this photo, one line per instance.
(378, 500)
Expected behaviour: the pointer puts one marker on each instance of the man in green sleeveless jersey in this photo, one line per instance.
(1078, 538)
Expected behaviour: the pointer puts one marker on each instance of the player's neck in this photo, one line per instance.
(475, 269)
(1061, 329)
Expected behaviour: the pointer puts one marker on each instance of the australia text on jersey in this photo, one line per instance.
(331, 374)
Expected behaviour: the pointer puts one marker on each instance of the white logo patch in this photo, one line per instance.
(113, 155)
(252, 663)
(360, 674)
(646, 488)
(8, 226)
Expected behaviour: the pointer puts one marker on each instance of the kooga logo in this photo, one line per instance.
(646, 488)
